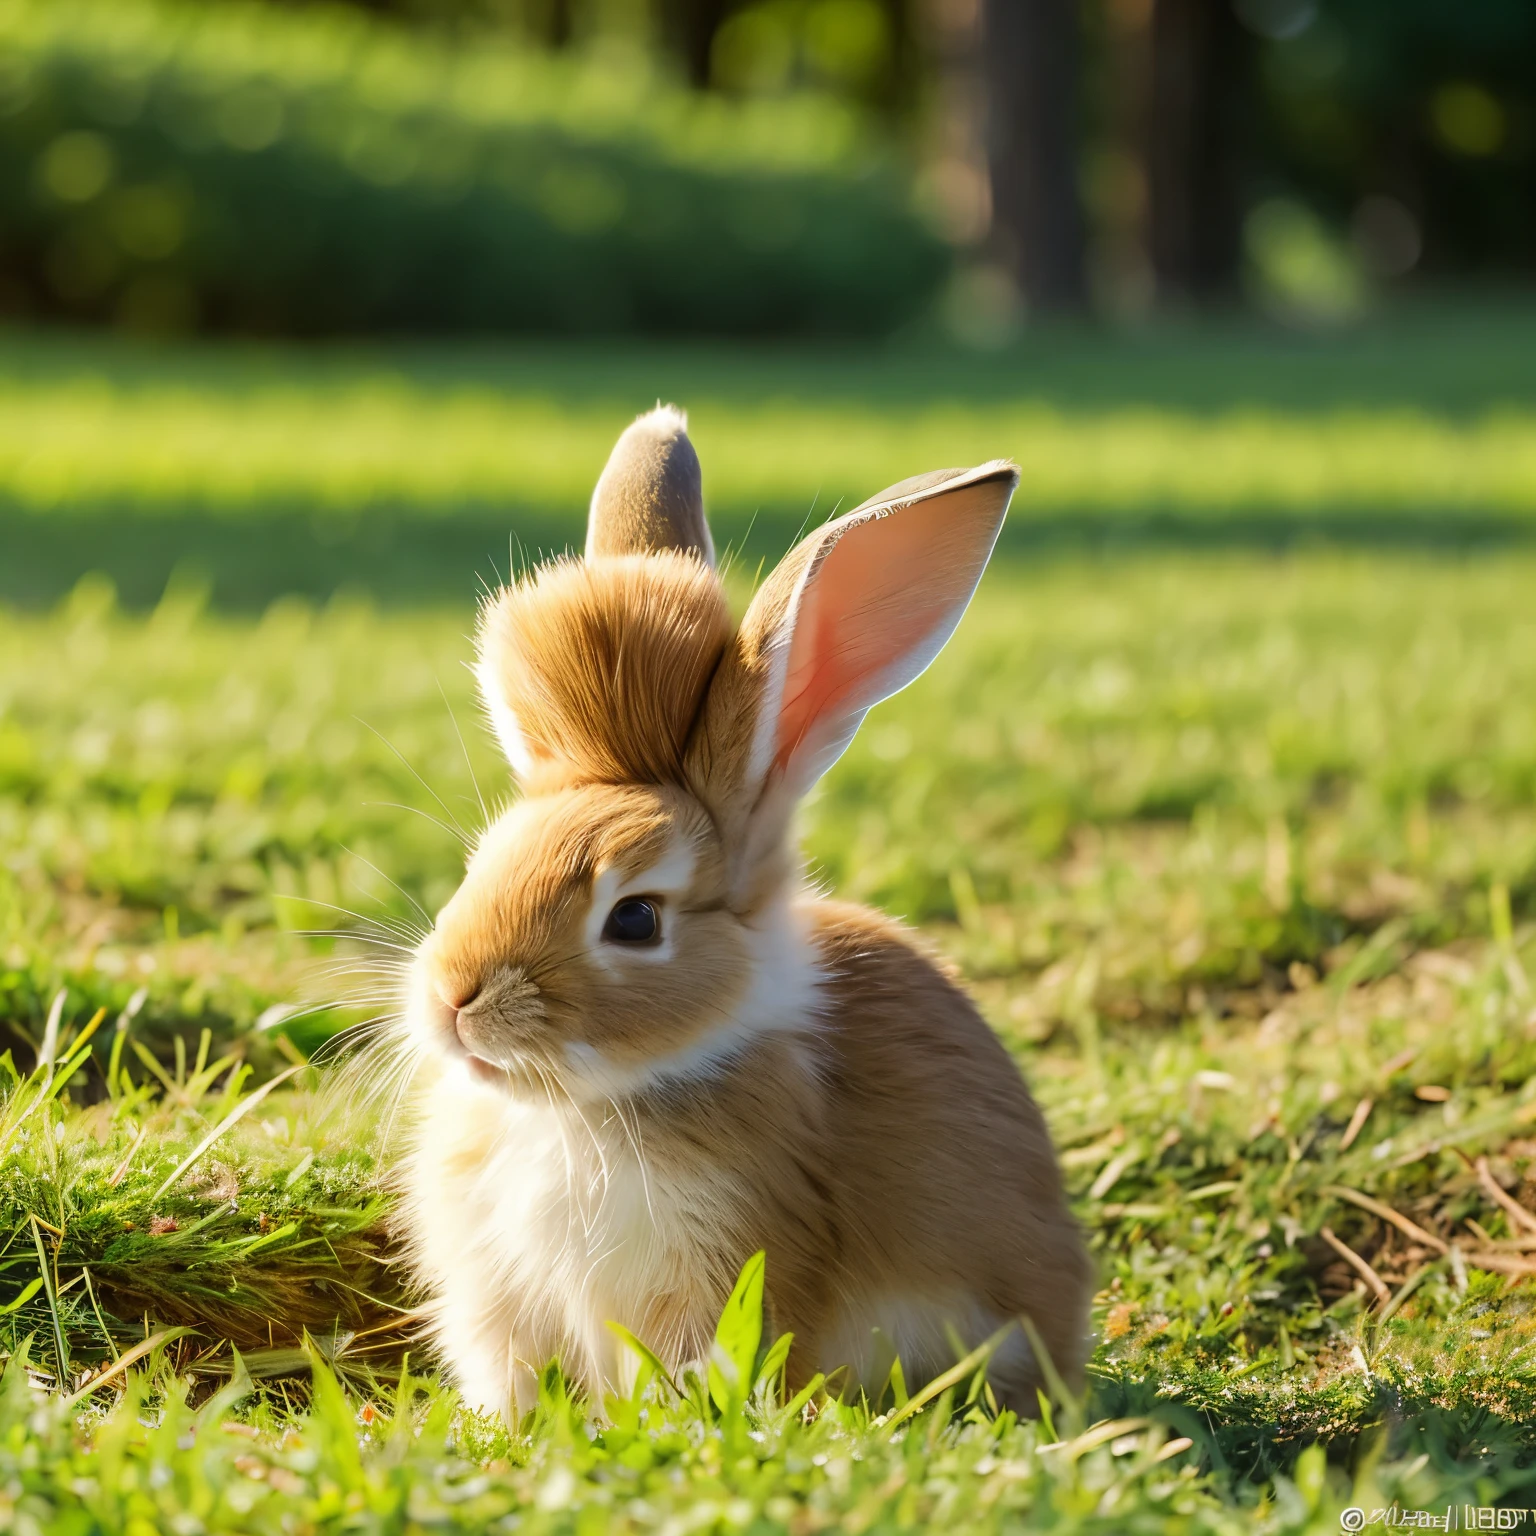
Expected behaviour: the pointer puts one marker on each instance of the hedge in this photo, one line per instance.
(172, 165)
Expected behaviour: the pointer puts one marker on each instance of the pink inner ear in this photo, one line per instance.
(878, 608)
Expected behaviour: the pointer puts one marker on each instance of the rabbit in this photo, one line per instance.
(646, 1049)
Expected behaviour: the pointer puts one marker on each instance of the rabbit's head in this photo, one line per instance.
(628, 919)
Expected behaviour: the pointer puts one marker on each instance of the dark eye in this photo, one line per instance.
(632, 922)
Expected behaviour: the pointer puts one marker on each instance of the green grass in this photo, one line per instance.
(1236, 847)
(404, 471)
(1203, 769)
(1228, 845)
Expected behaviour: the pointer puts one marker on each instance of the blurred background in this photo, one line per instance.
(754, 167)
(372, 282)
(317, 319)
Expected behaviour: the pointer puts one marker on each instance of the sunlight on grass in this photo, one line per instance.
(393, 442)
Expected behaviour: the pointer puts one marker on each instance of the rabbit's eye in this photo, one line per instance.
(633, 922)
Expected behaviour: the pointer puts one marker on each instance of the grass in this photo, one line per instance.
(404, 1463)
(401, 471)
(1199, 770)
(1237, 850)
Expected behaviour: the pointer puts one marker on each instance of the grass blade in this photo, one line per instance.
(53, 1304)
(647, 1355)
(124, 1361)
(238, 1113)
(957, 1373)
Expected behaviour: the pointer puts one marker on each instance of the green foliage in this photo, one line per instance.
(409, 1459)
(151, 1450)
(731, 1373)
(167, 1201)
(1411, 100)
(167, 164)
(1139, 783)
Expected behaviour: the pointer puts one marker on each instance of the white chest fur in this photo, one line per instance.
(534, 1225)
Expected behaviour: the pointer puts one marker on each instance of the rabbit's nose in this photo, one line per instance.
(446, 1002)
(458, 997)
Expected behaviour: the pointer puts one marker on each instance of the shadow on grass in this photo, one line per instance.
(1456, 354)
(1466, 1424)
(407, 557)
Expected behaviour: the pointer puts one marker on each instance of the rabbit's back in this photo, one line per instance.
(951, 1208)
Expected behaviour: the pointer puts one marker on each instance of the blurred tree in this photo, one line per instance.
(866, 51)
(1196, 58)
(487, 188)
(689, 28)
(1388, 137)
(1031, 55)
(1412, 122)
(552, 21)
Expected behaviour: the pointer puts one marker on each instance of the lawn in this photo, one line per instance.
(403, 471)
(1236, 845)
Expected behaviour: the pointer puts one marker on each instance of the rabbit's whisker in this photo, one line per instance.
(412, 770)
(485, 815)
(457, 833)
(401, 927)
(421, 910)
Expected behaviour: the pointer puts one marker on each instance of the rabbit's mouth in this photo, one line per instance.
(497, 1031)
(492, 1058)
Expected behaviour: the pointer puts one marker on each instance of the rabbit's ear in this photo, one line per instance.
(852, 615)
(650, 496)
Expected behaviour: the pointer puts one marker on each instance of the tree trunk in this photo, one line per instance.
(689, 27)
(1189, 142)
(1032, 55)
(550, 22)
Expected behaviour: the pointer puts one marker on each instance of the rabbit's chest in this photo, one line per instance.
(569, 1198)
(560, 1219)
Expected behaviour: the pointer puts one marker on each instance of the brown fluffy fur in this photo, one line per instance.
(604, 664)
(610, 1130)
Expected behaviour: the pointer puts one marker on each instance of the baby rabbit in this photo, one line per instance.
(646, 1049)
